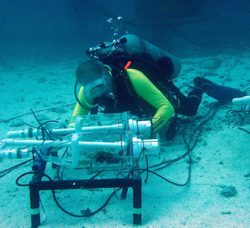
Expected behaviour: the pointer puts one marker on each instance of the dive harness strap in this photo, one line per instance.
(79, 102)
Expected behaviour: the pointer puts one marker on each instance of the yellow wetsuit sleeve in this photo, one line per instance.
(147, 91)
(79, 110)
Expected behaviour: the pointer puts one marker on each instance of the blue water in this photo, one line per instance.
(72, 25)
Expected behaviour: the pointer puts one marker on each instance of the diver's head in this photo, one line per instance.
(91, 75)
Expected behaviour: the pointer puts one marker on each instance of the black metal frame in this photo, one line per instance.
(135, 183)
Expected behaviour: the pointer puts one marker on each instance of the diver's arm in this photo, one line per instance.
(79, 110)
(146, 90)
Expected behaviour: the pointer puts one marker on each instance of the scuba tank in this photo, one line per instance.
(136, 45)
(132, 44)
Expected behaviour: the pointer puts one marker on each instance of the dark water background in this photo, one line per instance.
(59, 27)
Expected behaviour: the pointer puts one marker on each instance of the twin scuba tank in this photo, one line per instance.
(131, 44)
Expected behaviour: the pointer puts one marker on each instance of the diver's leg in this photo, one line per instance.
(218, 92)
(221, 93)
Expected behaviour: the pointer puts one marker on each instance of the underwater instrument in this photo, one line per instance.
(105, 142)
(123, 137)
(132, 44)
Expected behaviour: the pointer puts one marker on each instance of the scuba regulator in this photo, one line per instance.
(106, 48)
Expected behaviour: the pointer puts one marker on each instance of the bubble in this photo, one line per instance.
(110, 20)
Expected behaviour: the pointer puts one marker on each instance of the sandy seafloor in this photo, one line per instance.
(31, 78)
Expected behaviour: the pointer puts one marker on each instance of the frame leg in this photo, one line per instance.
(137, 201)
(34, 205)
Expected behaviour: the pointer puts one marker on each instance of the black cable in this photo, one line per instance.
(38, 154)
(42, 205)
(162, 163)
(91, 213)
(97, 174)
(177, 184)
(215, 109)
(42, 128)
(28, 173)
(244, 130)
(42, 110)
(29, 125)
(170, 162)
(6, 171)
(239, 114)
(243, 108)
(119, 173)
(146, 179)
(49, 121)
(60, 177)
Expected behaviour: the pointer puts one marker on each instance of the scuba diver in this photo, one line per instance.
(133, 75)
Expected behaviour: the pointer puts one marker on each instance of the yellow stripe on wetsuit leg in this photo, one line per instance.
(146, 90)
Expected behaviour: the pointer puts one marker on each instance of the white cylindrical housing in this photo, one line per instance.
(29, 133)
(241, 101)
(14, 153)
(50, 143)
(24, 133)
(148, 147)
(39, 143)
(140, 128)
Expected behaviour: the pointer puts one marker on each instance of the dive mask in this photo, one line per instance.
(95, 88)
